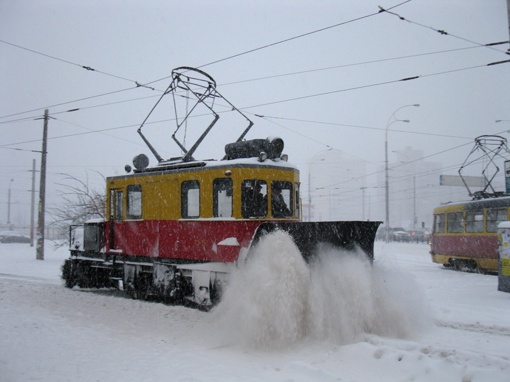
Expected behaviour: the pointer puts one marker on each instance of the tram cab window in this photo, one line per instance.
(455, 222)
(439, 223)
(190, 199)
(254, 198)
(134, 201)
(222, 197)
(474, 221)
(494, 217)
(281, 199)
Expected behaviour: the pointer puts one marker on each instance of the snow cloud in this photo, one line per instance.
(277, 300)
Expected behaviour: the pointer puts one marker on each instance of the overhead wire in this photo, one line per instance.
(226, 84)
(300, 36)
(289, 99)
(358, 126)
(348, 65)
(80, 108)
(405, 79)
(279, 42)
(444, 33)
(388, 10)
(69, 102)
(88, 68)
(246, 52)
(166, 77)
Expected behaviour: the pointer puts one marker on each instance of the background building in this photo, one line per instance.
(346, 188)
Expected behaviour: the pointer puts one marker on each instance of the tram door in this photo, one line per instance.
(115, 213)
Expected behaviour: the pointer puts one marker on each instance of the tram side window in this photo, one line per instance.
(494, 217)
(439, 223)
(474, 221)
(190, 199)
(118, 205)
(455, 222)
(134, 201)
(222, 197)
(281, 199)
(254, 198)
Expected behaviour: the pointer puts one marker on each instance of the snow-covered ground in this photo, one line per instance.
(404, 319)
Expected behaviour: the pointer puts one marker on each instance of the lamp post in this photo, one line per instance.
(391, 121)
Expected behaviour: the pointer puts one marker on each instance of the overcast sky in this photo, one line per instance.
(335, 88)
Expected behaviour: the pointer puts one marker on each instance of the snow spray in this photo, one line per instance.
(276, 299)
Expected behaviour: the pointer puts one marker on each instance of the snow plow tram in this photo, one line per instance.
(174, 231)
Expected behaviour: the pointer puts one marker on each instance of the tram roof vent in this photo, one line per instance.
(271, 148)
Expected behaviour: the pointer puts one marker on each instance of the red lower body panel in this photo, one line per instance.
(467, 246)
(188, 240)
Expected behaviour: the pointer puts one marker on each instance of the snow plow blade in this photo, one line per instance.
(309, 236)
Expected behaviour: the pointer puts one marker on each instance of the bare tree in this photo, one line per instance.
(79, 203)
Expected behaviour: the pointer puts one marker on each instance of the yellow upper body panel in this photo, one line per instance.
(201, 190)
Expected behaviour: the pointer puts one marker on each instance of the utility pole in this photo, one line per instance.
(42, 192)
(415, 218)
(9, 204)
(32, 205)
(508, 10)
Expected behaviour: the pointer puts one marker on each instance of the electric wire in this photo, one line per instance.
(444, 33)
(348, 65)
(287, 40)
(69, 102)
(81, 108)
(226, 58)
(405, 79)
(88, 68)
(253, 50)
(358, 126)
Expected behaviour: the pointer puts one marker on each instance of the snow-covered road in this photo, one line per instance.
(50, 333)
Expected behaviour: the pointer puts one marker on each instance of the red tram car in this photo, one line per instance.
(465, 234)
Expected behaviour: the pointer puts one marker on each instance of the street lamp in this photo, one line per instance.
(391, 121)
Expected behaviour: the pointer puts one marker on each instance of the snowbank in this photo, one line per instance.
(356, 323)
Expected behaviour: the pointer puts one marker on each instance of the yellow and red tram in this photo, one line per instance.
(198, 208)
(175, 229)
(464, 235)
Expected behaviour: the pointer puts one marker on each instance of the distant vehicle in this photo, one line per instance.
(400, 235)
(13, 237)
(419, 236)
(465, 234)
(394, 234)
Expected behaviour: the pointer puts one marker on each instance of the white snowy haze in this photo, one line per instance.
(323, 75)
